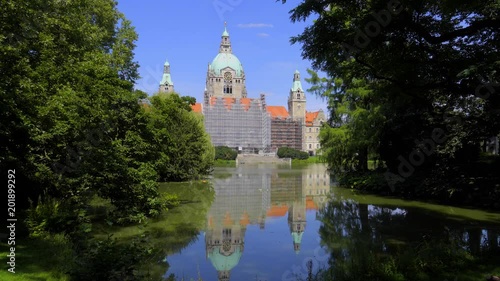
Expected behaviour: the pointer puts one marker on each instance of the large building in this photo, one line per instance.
(246, 124)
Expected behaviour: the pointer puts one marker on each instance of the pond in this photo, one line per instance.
(269, 222)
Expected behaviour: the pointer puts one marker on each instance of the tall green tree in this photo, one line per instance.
(72, 125)
(426, 65)
(355, 122)
(183, 147)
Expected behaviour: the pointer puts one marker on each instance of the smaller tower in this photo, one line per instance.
(297, 99)
(166, 84)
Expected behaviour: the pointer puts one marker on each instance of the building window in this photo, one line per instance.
(228, 90)
(317, 129)
(298, 96)
(310, 146)
(317, 145)
(309, 130)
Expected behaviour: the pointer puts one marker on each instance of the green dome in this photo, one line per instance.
(223, 60)
(224, 263)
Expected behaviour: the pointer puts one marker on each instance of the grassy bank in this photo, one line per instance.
(310, 160)
(474, 184)
(225, 163)
(135, 251)
(47, 259)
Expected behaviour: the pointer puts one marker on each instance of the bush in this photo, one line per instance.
(111, 261)
(287, 152)
(225, 153)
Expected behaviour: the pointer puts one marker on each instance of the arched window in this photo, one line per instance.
(298, 95)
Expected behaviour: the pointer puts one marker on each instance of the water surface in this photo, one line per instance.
(267, 221)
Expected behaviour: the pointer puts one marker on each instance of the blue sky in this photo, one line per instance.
(188, 34)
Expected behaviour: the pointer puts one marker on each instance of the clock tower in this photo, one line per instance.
(225, 75)
(297, 99)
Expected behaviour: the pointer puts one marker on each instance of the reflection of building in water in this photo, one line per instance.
(294, 193)
(240, 200)
(316, 182)
(251, 194)
(297, 222)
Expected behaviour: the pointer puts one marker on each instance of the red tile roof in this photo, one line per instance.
(196, 107)
(277, 211)
(310, 205)
(228, 102)
(310, 117)
(245, 219)
(278, 111)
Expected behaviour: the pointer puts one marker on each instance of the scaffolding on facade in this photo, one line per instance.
(242, 126)
(286, 132)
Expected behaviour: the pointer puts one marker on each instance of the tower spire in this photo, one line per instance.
(166, 84)
(225, 44)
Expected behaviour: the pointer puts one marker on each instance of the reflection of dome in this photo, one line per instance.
(297, 239)
(222, 262)
(223, 60)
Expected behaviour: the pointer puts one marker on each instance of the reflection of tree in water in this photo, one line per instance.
(370, 242)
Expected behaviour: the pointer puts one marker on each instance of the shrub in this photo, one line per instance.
(225, 153)
(287, 152)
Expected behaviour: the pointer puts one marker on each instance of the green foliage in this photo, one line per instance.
(311, 159)
(183, 147)
(225, 153)
(74, 128)
(109, 260)
(287, 152)
(395, 74)
(52, 216)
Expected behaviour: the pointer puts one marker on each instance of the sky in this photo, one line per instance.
(188, 33)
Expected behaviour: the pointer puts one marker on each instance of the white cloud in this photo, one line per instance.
(254, 25)
(263, 34)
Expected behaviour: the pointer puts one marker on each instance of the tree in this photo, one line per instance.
(72, 125)
(184, 148)
(355, 122)
(225, 153)
(426, 65)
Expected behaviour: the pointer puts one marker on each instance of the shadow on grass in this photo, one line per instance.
(39, 259)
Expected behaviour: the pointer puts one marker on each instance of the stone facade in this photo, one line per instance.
(246, 124)
(313, 123)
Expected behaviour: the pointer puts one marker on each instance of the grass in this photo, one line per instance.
(311, 159)
(38, 259)
(225, 163)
